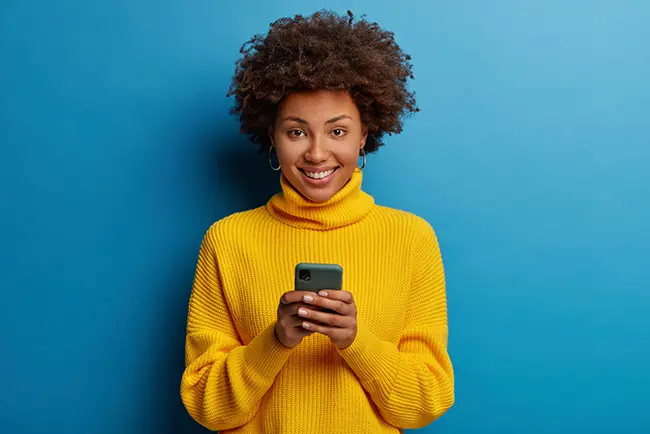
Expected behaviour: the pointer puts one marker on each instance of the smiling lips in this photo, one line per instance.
(319, 175)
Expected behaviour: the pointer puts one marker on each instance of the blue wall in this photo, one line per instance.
(530, 157)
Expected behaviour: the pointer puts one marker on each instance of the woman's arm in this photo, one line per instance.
(412, 383)
(224, 380)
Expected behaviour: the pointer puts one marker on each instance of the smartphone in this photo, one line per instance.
(314, 277)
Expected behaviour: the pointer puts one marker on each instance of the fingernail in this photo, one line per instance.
(303, 312)
(308, 298)
(306, 325)
(323, 293)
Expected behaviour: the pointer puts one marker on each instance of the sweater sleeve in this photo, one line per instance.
(224, 381)
(411, 383)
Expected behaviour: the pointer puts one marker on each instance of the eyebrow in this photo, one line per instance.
(329, 121)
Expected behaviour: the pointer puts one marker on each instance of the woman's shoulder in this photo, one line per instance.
(239, 222)
(401, 219)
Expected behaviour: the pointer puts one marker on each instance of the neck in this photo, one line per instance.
(349, 205)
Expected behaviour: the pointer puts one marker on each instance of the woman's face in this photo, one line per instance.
(318, 135)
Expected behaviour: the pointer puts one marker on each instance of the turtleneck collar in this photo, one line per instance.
(347, 206)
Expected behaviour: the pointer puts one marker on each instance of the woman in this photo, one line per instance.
(320, 91)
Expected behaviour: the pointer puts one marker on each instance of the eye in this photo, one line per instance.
(295, 134)
(338, 132)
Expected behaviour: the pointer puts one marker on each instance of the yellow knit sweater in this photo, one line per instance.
(397, 373)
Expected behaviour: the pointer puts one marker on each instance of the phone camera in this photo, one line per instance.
(304, 275)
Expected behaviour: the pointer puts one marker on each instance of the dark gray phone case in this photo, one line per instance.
(314, 277)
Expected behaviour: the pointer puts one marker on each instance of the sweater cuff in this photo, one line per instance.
(372, 359)
(265, 354)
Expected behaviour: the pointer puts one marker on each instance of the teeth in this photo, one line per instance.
(319, 175)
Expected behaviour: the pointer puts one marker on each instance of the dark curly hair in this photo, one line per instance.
(323, 51)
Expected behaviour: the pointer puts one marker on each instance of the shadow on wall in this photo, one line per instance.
(231, 174)
(232, 178)
(245, 175)
(173, 417)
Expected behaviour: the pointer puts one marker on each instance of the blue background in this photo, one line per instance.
(530, 158)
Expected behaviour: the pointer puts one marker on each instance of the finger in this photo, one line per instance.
(303, 332)
(288, 314)
(331, 319)
(337, 294)
(294, 321)
(334, 333)
(326, 303)
(290, 323)
(292, 309)
(293, 296)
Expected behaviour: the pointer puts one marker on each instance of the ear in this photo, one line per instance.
(364, 137)
(270, 132)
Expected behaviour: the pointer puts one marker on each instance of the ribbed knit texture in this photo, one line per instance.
(397, 373)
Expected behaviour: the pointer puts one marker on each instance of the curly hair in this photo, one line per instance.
(323, 51)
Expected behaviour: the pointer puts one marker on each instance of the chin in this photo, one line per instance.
(318, 195)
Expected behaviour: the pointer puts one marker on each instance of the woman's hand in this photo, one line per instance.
(340, 326)
(288, 326)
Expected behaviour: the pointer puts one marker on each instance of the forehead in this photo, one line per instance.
(320, 104)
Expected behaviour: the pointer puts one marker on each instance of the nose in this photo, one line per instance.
(317, 151)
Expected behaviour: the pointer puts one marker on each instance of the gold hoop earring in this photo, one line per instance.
(271, 159)
(362, 153)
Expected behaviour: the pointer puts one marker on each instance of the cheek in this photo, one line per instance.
(348, 152)
(348, 156)
(287, 154)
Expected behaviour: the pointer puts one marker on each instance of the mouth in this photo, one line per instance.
(320, 177)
